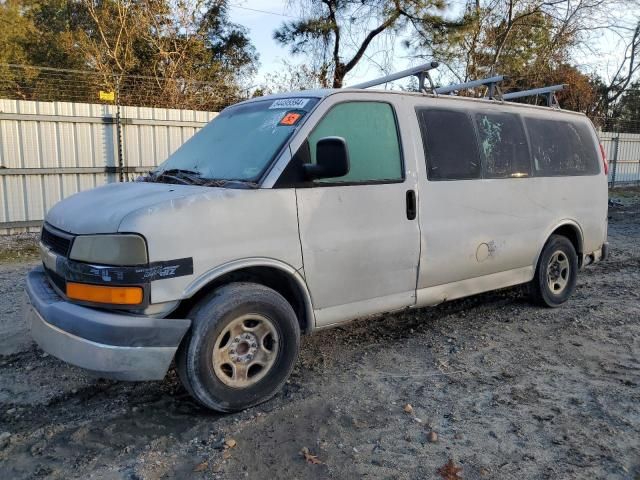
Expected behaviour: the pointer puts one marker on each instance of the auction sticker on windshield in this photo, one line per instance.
(289, 103)
(290, 119)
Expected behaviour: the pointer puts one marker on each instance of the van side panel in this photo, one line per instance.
(578, 200)
(495, 229)
(476, 227)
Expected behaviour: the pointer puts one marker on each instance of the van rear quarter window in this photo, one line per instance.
(503, 145)
(450, 145)
(561, 147)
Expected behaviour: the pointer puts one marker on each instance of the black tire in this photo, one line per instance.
(541, 291)
(210, 317)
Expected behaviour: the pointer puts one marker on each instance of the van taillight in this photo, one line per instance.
(604, 160)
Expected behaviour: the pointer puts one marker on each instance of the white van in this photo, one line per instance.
(295, 212)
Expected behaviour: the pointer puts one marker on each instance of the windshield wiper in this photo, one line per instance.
(176, 175)
(190, 177)
(219, 182)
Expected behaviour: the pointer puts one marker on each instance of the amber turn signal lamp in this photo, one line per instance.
(104, 294)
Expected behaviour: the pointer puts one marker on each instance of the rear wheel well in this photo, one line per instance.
(573, 235)
(271, 277)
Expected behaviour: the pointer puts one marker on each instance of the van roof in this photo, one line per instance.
(325, 92)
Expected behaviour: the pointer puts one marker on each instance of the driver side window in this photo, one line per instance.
(371, 134)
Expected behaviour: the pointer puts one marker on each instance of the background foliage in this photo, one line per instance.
(150, 52)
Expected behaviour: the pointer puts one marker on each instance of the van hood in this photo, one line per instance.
(102, 209)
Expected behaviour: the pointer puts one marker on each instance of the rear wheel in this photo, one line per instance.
(243, 344)
(556, 272)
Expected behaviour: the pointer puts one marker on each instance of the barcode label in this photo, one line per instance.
(289, 103)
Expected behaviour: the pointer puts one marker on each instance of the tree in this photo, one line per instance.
(501, 33)
(153, 52)
(531, 41)
(289, 77)
(625, 73)
(15, 31)
(625, 116)
(336, 34)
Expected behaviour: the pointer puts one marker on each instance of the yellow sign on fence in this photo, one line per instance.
(107, 96)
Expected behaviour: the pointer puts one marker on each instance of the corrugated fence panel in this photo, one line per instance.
(61, 148)
(50, 184)
(623, 153)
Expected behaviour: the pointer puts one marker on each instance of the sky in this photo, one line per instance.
(262, 17)
(253, 15)
(261, 26)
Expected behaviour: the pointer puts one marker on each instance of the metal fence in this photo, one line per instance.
(623, 153)
(50, 150)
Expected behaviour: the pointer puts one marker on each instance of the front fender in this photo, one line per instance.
(237, 265)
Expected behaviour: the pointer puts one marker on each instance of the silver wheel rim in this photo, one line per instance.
(558, 271)
(245, 350)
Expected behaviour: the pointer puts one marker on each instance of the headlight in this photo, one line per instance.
(121, 250)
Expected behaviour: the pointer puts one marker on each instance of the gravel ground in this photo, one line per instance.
(499, 387)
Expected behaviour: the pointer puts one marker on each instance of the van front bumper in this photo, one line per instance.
(109, 344)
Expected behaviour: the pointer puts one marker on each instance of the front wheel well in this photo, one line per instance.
(271, 277)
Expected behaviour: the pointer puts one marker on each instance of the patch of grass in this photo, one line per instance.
(624, 192)
(19, 250)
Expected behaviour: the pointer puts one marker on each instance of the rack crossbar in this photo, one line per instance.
(534, 91)
(417, 71)
(471, 84)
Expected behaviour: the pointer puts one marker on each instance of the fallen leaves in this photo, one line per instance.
(312, 459)
(450, 471)
(225, 445)
(229, 443)
(201, 467)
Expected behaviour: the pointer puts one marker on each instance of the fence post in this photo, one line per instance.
(119, 131)
(614, 160)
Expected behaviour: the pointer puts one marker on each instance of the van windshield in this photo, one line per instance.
(238, 144)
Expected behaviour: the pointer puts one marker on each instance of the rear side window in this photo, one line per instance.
(503, 145)
(370, 131)
(450, 145)
(561, 147)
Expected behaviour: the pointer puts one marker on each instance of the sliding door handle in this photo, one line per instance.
(411, 205)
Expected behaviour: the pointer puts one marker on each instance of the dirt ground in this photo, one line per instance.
(504, 389)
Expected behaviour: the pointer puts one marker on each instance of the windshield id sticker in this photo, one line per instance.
(289, 103)
(290, 119)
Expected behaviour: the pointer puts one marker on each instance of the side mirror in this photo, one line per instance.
(332, 159)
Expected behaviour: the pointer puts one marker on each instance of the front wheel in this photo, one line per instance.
(556, 273)
(243, 344)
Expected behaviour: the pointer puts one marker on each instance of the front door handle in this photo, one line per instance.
(411, 205)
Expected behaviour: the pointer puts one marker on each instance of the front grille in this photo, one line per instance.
(56, 280)
(58, 243)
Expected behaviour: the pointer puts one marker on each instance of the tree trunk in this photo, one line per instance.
(338, 76)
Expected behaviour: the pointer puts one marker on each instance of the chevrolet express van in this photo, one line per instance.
(297, 212)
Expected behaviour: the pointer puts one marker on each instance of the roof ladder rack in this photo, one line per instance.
(549, 92)
(421, 71)
(491, 82)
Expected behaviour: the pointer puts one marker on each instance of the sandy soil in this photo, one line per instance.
(502, 388)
